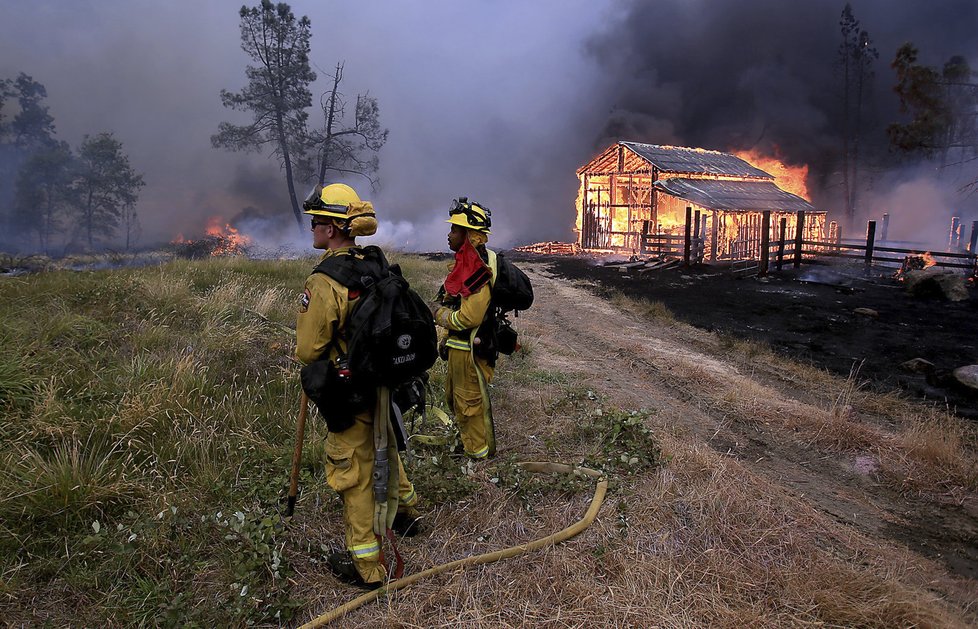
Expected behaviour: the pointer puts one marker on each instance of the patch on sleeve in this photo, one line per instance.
(304, 301)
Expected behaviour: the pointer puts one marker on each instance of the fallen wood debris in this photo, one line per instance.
(668, 263)
(551, 248)
(644, 266)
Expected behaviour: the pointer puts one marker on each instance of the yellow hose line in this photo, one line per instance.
(559, 536)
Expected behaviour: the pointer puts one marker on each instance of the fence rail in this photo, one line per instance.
(794, 248)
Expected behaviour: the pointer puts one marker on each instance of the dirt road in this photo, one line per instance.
(758, 413)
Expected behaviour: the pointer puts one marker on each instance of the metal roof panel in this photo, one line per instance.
(679, 159)
(714, 194)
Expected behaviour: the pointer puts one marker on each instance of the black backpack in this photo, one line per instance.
(511, 291)
(390, 332)
(390, 336)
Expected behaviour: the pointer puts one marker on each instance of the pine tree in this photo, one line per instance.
(277, 94)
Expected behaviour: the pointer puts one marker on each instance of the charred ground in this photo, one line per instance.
(811, 315)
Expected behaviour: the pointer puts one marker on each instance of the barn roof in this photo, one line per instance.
(680, 159)
(671, 159)
(714, 194)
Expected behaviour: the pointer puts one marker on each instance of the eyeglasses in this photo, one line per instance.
(315, 223)
(462, 205)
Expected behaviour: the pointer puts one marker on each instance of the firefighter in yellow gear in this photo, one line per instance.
(338, 217)
(464, 301)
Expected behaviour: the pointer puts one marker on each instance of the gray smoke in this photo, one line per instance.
(733, 75)
(500, 102)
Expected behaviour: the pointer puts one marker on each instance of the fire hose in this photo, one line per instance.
(532, 466)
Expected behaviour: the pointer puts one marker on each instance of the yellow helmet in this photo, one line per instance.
(338, 200)
(470, 214)
(334, 200)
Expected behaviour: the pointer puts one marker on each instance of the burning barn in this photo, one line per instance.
(633, 193)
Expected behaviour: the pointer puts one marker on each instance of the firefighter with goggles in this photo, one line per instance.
(338, 216)
(461, 308)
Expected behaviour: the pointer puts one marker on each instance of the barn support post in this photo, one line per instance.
(886, 227)
(953, 236)
(784, 228)
(702, 250)
(799, 236)
(695, 257)
(713, 238)
(765, 241)
(870, 243)
(689, 218)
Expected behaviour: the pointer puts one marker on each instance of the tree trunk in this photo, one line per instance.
(287, 160)
(845, 134)
(330, 115)
(89, 218)
(854, 181)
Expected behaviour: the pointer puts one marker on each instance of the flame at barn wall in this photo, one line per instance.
(632, 191)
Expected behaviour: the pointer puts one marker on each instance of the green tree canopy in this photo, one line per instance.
(43, 192)
(943, 106)
(105, 184)
(277, 94)
(33, 126)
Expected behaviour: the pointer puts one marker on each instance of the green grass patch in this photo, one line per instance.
(148, 429)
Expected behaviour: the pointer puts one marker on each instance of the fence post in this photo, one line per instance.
(784, 227)
(870, 241)
(885, 226)
(689, 218)
(799, 232)
(953, 236)
(974, 237)
(765, 241)
(838, 239)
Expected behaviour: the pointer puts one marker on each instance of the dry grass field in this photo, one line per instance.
(149, 418)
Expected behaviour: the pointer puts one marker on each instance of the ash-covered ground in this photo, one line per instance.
(811, 315)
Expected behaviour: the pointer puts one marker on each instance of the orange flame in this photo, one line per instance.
(790, 178)
(230, 240)
(220, 238)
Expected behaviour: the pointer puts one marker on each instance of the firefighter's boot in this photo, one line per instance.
(342, 566)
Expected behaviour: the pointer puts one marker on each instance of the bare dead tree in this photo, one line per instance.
(344, 147)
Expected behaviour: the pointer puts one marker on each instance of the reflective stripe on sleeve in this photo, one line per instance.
(458, 344)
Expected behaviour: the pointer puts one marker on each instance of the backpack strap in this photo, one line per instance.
(356, 269)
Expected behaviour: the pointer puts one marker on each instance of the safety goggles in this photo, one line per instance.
(462, 206)
(314, 201)
(316, 223)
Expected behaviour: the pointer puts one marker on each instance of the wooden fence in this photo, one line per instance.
(795, 251)
(870, 252)
(691, 245)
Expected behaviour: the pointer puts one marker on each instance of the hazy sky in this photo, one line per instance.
(493, 100)
(497, 100)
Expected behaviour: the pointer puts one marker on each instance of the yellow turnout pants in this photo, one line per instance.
(349, 470)
(467, 393)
